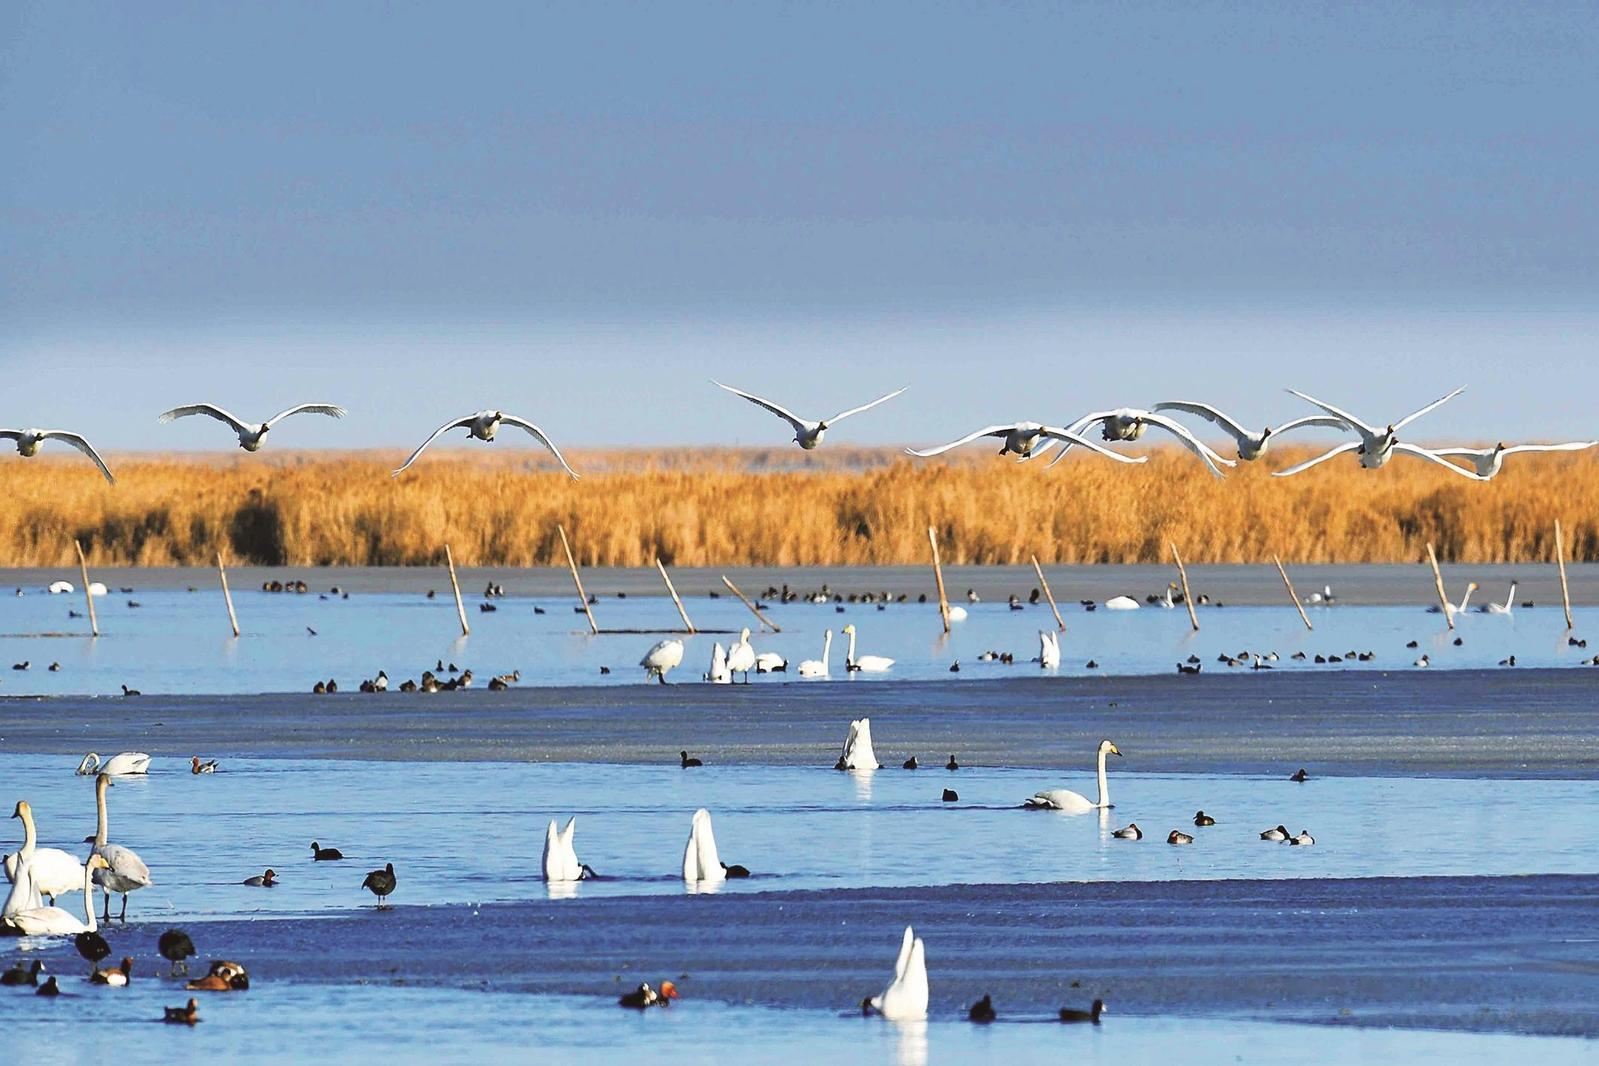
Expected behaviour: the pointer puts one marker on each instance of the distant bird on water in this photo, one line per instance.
(483, 426)
(28, 441)
(807, 434)
(321, 854)
(251, 434)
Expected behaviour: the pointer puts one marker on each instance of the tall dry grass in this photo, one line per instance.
(780, 507)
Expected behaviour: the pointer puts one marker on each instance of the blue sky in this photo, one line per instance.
(581, 212)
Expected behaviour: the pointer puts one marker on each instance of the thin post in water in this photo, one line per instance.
(1188, 599)
(675, 598)
(1438, 582)
(938, 575)
(582, 597)
(1292, 595)
(83, 572)
(460, 608)
(745, 600)
(227, 597)
(1048, 595)
(1560, 560)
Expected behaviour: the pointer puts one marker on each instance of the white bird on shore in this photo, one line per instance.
(665, 655)
(741, 656)
(858, 753)
(1021, 438)
(870, 664)
(28, 441)
(905, 998)
(1130, 424)
(124, 764)
(54, 921)
(1489, 461)
(123, 871)
(819, 667)
(1503, 608)
(701, 863)
(1048, 650)
(719, 674)
(251, 435)
(560, 855)
(807, 434)
(1251, 446)
(483, 426)
(1069, 802)
(1376, 446)
(55, 872)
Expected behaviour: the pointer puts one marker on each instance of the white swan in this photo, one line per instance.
(55, 872)
(858, 753)
(957, 613)
(807, 434)
(718, 674)
(1022, 438)
(1503, 608)
(251, 434)
(483, 426)
(1489, 461)
(57, 588)
(818, 667)
(701, 863)
(1048, 650)
(1376, 446)
(122, 871)
(1069, 802)
(1129, 424)
(28, 441)
(769, 662)
(1121, 603)
(741, 656)
(664, 656)
(1251, 446)
(1452, 609)
(870, 664)
(1165, 600)
(53, 921)
(560, 856)
(905, 998)
(125, 764)
(23, 896)
(97, 588)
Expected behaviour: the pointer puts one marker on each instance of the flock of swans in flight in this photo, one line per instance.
(1374, 445)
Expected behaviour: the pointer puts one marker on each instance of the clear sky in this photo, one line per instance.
(581, 212)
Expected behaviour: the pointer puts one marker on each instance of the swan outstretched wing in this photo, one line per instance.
(864, 407)
(1311, 420)
(210, 410)
(1428, 454)
(1068, 438)
(522, 423)
(1412, 416)
(1574, 446)
(465, 420)
(1307, 464)
(1209, 414)
(799, 424)
(78, 441)
(988, 431)
(10, 434)
(332, 410)
(1065, 446)
(1345, 416)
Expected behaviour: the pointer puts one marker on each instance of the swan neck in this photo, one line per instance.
(30, 838)
(100, 814)
(1104, 796)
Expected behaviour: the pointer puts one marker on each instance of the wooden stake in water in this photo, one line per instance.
(745, 600)
(675, 598)
(1188, 599)
(227, 597)
(1291, 593)
(83, 571)
(938, 575)
(1560, 559)
(460, 608)
(582, 597)
(1438, 582)
(1050, 596)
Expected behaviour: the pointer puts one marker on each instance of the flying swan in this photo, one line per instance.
(1069, 802)
(251, 435)
(1376, 446)
(1489, 461)
(28, 441)
(483, 426)
(1023, 438)
(1251, 446)
(1129, 424)
(807, 434)
(905, 998)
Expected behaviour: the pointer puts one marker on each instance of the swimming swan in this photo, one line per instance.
(701, 863)
(1489, 461)
(1121, 603)
(905, 998)
(818, 667)
(560, 856)
(483, 426)
(1376, 446)
(55, 872)
(1021, 438)
(28, 441)
(870, 664)
(1503, 608)
(1069, 802)
(251, 435)
(122, 871)
(807, 434)
(53, 921)
(858, 753)
(127, 763)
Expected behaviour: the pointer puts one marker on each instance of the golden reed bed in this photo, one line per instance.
(779, 507)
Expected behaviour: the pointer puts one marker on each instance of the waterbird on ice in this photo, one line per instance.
(1251, 446)
(382, 882)
(905, 998)
(28, 441)
(807, 434)
(123, 871)
(176, 947)
(741, 656)
(251, 435)
(1376, 446)
(664, 656)
(1069, 802)
(483, 426)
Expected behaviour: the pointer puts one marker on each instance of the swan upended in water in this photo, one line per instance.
(858, 753)
(1130, 424)
(807, 434)
(701, 863)
(1023, 438)
(1251, 445)
(1376, 446)
(560, 855)
(905, 998)
(819, 667)
(664, 656)
(124, 764)
(251, 434)
(28, 441)
(55, 872)
(1048, 650)
(871, 664)
(54, 921)
(483, 426)
(122, 871)
(1069, 802)
(1489, 461)
(718, 673)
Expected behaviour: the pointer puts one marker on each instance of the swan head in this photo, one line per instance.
(22, 810)
(849, 630)
(1108, 748)
(97, 862)
(1499, 447)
